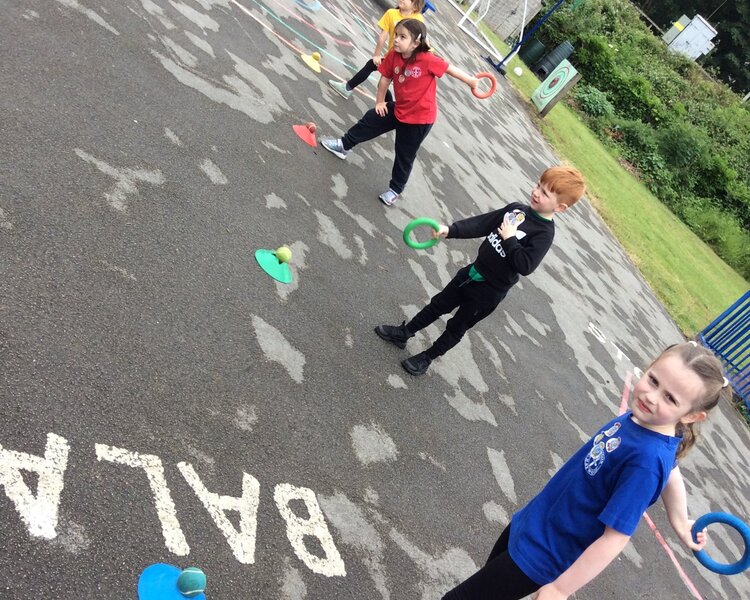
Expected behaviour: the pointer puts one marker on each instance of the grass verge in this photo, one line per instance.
(692, 282)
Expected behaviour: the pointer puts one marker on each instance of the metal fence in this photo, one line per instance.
(728, 336)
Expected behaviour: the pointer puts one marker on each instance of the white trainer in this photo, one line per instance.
(335, 146)
(340, 88)
(388, 197)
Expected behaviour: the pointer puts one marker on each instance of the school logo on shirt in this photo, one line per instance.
(598, 453)
(613, 430)
(594, 459)
(416, 72)
(612, 444)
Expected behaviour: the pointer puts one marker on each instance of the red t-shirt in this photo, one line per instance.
(414, 85)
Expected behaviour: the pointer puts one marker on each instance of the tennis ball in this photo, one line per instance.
(191, 582)
(283, 254)
(518, 71)
(311, 127)
(316, 56)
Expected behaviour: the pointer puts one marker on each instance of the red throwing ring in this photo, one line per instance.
(493, 86)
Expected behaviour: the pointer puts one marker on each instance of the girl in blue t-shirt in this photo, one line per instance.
(585, 515)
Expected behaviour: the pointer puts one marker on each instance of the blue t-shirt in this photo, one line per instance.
(610, 482)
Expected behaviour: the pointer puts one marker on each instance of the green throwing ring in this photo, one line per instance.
(419, 223)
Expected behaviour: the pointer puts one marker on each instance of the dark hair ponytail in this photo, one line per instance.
(418, 32)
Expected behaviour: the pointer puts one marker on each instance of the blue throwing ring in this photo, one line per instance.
(710, 563)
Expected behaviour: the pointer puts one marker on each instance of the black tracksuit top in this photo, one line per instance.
(499, 261)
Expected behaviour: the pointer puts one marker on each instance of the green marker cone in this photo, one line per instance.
(271, 265)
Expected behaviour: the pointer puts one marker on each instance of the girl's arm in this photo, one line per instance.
(380, 106)
(377, 54)
(674, 497)
(592, 562)
(472, 82)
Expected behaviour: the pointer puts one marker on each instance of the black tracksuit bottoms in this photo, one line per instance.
(475, 301)
(408, 140)
(499, 579)
(369, 68)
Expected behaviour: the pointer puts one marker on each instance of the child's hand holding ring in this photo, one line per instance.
(687, 538)
(507, 230)
(442, 232)
(473, 83)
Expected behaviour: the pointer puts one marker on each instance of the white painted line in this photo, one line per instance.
(165, 509)
(39, 513)
(241, 542)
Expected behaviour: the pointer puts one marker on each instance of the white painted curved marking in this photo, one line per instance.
(296, 530)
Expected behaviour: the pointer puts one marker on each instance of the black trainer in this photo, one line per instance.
(417, 364)
(395, 334)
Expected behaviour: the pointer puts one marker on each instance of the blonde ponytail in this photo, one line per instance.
(704, 364)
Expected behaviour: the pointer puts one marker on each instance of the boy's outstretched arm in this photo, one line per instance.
(674, 497)
(592, 562)
(479, 225)
(472, 82)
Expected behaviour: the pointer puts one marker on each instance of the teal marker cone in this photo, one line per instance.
(272, 266)
(160, 582)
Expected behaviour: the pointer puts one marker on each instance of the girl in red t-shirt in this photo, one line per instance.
(413, 70)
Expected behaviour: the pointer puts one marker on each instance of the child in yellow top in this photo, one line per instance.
(407, 9)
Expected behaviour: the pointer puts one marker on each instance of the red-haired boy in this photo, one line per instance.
(517, 238)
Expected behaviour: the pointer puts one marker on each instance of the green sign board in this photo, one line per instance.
(554, 88)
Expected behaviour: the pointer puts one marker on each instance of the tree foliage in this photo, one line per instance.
(731, 19)
(687, 136)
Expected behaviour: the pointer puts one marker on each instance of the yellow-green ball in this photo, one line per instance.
(283, 254)
(191, 582)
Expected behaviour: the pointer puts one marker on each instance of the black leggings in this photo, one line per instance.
(409, 138)
(475, 301)
(499, 579)
(369, 68)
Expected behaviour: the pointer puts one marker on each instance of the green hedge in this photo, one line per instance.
(687, 136)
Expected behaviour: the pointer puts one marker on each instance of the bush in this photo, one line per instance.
(722, 232)
(687, 137)
(592, 101)
(738, 200)
(638, 136)
(684, 147)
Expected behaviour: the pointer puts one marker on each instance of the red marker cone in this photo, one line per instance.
(306, 133)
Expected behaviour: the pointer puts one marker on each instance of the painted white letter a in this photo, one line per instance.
(39, 513)
(241, 542)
